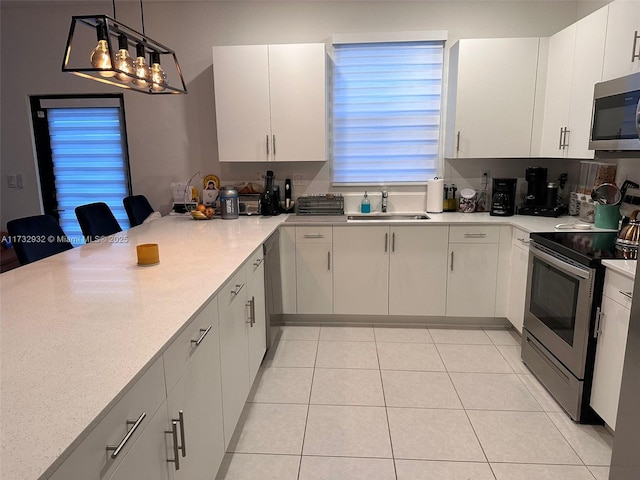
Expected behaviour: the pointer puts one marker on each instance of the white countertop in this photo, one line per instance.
(78, 328)
(624, 267)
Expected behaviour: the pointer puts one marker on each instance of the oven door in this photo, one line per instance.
(558, 306)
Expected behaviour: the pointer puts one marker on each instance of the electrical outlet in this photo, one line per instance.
(486, 172)
(12, 180)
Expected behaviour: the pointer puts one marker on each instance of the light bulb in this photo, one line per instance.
(158, 76)
(124, 62)
(143, 72)
(100, 57)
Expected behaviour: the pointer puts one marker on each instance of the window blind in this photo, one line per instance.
(386, 112)
(89, 162)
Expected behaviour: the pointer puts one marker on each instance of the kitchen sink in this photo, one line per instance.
(388, 217)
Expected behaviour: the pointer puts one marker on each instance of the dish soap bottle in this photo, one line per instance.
(365, 205)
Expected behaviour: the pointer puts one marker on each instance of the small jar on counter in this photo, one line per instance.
(468, 200)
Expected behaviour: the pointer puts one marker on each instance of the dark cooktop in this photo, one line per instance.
(586, 248)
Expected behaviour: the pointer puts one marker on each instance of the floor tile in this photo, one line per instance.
(460, 336)
(293, 332)
(270, 428)
(403, 335)
(291, 353)
(540, 393)
(473, 359)
(347, 386)
(516, 471)
(409, 356)
(600, 473)
(432, 470)
(341, 431)
(433, 434)
(503, 336)
(347, 334)
(592, 443)
(347, 355)
(511, 354)
(419, 389)
(247, 466)
(493, 391)
(521, 437)
(342, 468)
(282, 385)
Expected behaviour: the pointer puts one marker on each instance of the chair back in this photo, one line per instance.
(37, 237)
(138, 209)
(97, 220)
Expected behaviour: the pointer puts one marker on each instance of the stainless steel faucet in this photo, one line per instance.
(385, 195)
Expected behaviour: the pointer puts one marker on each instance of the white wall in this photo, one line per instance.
(171, 137)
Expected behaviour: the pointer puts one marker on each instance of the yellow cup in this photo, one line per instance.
(148, 254)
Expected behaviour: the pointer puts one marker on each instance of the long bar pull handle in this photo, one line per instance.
(458, 142)
(253, 311)
(267, 147)
(386, 242)
(203, 333)
(597, 330)
(237, 290)
(116, 449)
(313, 235)
(329, 260)
(635, 55)
(475, 235)
(393, 242)
(174, 435)
(249, 319)
(452, 261)
(560, 141)
(180, 421)
(629, 295)
(274, 145)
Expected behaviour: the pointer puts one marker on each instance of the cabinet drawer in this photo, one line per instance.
(232, 291)
(253, 263)
(520, 238)
(91, 460)
(474, 234)
(618, 288)
(306, 235)
(180, 352)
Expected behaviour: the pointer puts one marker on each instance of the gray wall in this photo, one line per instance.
(171, 137)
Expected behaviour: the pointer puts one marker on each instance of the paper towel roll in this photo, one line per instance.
(435, 195)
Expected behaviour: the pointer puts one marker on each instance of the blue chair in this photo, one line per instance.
(97, 220)
(138, 209)
(37, 237)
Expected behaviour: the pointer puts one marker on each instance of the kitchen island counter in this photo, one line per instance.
(79, 328)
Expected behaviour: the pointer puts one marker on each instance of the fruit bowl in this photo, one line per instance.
(198, 215)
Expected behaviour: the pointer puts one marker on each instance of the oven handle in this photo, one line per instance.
(556, 262)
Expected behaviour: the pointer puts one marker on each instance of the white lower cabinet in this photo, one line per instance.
(518, 278)
(254, 270)
(473, 271)
(611, 348)
(314, 270)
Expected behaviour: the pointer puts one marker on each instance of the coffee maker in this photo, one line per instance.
(269, 203)
(542, 197)
(503, 199)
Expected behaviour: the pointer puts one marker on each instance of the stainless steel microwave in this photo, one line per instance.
(615, 123)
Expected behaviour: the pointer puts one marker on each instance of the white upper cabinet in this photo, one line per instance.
(492, 86)
(270, 102)
(574, 67)
(622, 49)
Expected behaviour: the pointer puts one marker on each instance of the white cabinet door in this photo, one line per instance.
(234, 352)
(314, 270)
(256, 300)
(361, 270)
(492, 94)
(558, 92)
(418, 270)
(518, 284)
(607, 373)
(198, 395)
(297, 86)
(471, 285)
(241, 84)
(623, 24)
(587, 71)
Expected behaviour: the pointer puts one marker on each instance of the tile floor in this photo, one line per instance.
(333, 403)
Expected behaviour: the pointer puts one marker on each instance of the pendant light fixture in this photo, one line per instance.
(117, 67)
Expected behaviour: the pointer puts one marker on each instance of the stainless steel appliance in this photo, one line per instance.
(615, 123)
(542, 197)
(564, 291)
(270, 197)
(273, 284)
(503, 200)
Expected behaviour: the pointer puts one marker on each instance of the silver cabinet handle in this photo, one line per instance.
(597, 330)
(386, 242)
(393, 242)
(452, 261)
(329, 260)
(635, 55)
(180, 420)
(313, 235)
(523, 240)
(267, 147)
(252, 311)
(116, 449)
(174, 435)
(203, 333)
(274, 144)
(475, 235)
(237, 290)
(458, 142)
(629, 295)
(258, 262)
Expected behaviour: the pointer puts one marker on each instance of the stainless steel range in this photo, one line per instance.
(564, 291)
